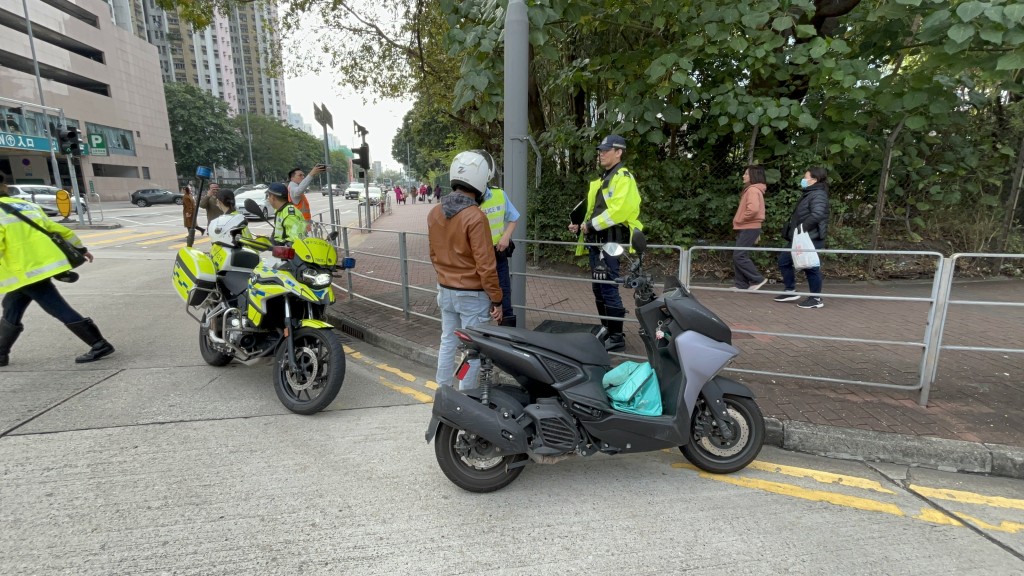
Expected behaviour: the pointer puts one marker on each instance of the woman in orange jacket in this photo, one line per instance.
(747, 222)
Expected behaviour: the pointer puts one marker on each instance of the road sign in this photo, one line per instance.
(323, 116)
(22, 142)
(97, 145)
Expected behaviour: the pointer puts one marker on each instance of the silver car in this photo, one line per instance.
(44, 196)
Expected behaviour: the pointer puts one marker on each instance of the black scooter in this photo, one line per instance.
(485, 436)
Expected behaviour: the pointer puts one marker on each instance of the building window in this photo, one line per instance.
(121, 142)
(145, 172)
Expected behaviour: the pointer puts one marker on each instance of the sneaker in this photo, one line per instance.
(811, 302)
(787, 297)
(758, 285)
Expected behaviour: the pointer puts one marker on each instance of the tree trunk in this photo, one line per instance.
(883, 183)
(1013, 198)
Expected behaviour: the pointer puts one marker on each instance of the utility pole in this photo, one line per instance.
(517, 31)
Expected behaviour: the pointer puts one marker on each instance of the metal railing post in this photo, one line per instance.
(688, 268)
(936, 324)
(348, 254)
(403, 262)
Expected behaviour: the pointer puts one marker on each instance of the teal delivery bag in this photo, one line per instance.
(633, 387)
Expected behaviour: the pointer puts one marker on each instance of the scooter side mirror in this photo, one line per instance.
(253, 208)
(639, 241)
(613, 249)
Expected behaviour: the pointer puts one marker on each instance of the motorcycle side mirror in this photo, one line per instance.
(613, 249)
(253, 208)
(639, 241)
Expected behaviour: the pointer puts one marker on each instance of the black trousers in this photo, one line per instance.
(743, 267)
(43, 293)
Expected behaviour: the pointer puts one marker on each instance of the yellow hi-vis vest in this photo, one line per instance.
(622, 206)
(27, 255)
(494, 209)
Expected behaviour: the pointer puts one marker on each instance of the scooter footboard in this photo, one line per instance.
(496, 425)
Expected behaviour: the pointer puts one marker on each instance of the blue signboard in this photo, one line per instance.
(22, 142)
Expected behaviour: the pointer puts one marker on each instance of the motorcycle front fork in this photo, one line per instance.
(288, 336)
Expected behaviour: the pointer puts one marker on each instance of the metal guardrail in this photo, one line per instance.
(929, 345)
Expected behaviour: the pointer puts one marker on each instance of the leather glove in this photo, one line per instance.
(600, 272)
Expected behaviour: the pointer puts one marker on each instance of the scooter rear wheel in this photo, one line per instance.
(709, 451)
(474, 474)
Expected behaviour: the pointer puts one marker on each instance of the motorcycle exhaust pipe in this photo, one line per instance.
(497, 426)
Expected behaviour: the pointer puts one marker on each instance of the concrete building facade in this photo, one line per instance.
(107, 81)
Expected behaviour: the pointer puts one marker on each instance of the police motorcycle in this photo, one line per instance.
(558, 408)
(251, 310)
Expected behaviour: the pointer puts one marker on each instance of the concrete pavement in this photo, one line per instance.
(974, 421)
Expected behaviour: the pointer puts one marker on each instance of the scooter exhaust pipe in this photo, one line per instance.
(497, 426)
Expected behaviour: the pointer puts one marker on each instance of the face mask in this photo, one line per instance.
(804, 183)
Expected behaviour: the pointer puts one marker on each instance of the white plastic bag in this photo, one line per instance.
(804, 256)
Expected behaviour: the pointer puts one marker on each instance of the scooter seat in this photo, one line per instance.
(583, 347)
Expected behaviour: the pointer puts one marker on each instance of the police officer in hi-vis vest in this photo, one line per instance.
(502, 217)
(289, 225)
(612, 213)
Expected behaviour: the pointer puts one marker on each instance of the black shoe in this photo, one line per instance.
(787, 297)
(8, 335)
(811, 302)
(90, 334)
(615, 342)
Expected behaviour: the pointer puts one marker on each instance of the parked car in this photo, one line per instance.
(44, 196)
(354, 190)
(256, 192)
(375, 195)
(150, 196)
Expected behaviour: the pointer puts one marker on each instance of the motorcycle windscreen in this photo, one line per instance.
(701, 359)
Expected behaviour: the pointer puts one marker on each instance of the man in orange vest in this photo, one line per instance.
(298, 181)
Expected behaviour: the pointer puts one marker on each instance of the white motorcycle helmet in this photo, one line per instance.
(491, 168)
(470, 169)
(224, 228)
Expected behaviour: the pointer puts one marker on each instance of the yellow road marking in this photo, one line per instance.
(1004, 526)
(431, 384)
(90, 235)
(820, 476)
(935, 517)
(127, 239)
(968, 497)
(426, 399)
(403, 375)
(168, 238)
(798, 492)
(182, 244)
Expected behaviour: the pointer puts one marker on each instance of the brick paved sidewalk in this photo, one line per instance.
(978, 397)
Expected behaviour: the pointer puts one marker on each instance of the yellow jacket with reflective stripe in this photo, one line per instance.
(494, 209)
(622, 206)
(27, 255)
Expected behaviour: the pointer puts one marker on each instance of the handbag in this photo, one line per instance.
(75, 256)
(803, 251)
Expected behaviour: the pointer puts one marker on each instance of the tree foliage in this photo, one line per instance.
(277, 148)
(201, 131)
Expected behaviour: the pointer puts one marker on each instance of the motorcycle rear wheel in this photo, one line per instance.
(321, 371)
(211, 356)
(470, 474)
(713, 453)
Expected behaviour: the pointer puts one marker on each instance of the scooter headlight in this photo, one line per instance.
(316, 278)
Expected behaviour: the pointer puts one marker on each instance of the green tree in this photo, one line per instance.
(277, 148)
(201, 131)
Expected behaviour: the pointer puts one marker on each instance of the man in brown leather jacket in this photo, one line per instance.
(462, 253)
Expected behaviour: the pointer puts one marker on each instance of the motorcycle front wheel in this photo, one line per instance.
(474, 471)
(710, 451)
(320, 363)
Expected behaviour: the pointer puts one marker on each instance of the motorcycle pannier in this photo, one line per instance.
(194, 276)
(633, 387)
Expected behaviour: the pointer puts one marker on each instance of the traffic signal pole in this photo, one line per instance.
(42, 99)
(517, 30)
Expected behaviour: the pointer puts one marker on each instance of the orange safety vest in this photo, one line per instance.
(302, 205)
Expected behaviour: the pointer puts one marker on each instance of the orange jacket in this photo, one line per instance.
(750, 212)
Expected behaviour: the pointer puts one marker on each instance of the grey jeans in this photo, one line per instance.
(459, 309)
(746, 273)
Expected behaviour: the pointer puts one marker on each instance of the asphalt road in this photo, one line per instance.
(151, 462)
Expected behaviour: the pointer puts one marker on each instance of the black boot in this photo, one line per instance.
(616, 339)
(509, 320)
(8, 335)
(90, 334)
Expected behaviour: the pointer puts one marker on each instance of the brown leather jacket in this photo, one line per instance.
(461, 248)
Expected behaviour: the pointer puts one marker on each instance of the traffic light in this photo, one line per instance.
(70, 141)
(361, 157)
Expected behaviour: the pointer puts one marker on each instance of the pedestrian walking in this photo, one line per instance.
(612, 213)
(29, 261)
(811, 212)
(502, 218)
(747, 223)
(412, 193)
(209, 202)
(468, 292)
(437, 191)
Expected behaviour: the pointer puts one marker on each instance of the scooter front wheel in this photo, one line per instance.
(470, 462)
(319, 373)
(709, 450)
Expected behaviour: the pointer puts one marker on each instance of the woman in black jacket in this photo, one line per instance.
(812, 213)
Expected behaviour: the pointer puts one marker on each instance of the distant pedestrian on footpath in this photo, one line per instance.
(811, 212)
(747, 223)
(468, 292)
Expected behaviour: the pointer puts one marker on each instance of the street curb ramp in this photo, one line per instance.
(830, 441)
